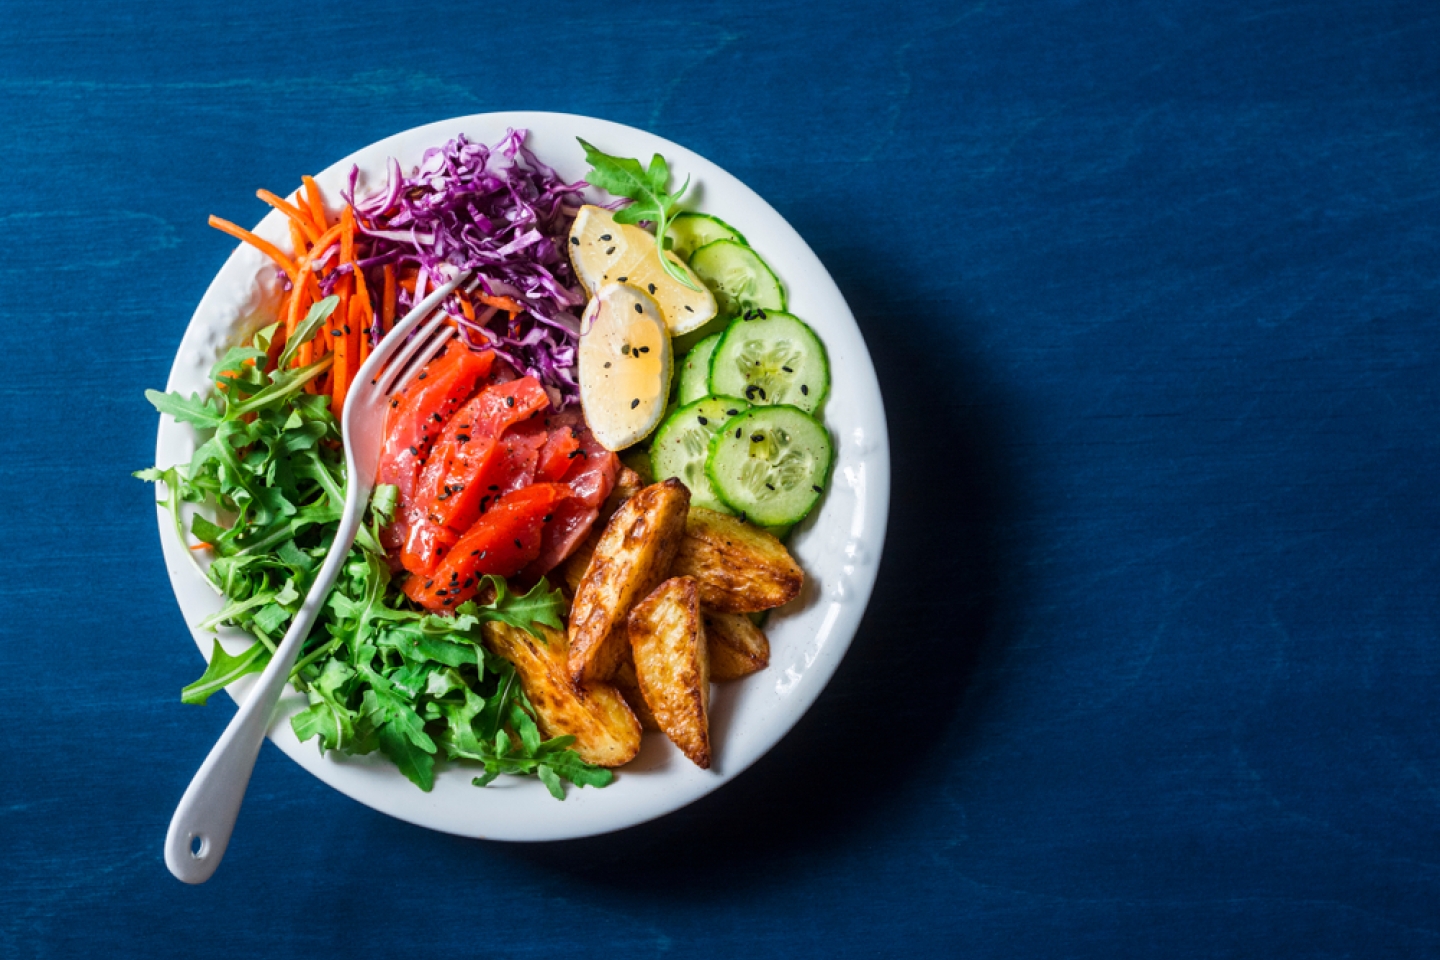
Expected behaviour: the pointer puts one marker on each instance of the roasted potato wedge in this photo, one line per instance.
(604, 727)
(737, 647)
(627, 484)
(633, 555)
(740, 568)
(672, 665)
(629, 688)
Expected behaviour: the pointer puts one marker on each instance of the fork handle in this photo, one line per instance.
(200, 829)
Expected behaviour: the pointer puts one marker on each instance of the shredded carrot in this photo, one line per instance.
(313, 201)
(501, 303)
(296, 217)
(202, 545)
(359, 317)
(264, 246)
(387, 309)
(344, 360)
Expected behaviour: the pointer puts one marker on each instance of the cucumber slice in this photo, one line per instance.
(773, 358)
(683, 442)
(770, 464)
(694, 376)
(738, 277)
(689, 232)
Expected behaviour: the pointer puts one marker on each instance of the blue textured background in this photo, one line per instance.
(1152, 288)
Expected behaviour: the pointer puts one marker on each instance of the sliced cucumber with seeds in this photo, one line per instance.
(772, 358)
(738, 277)
(683, 442)
(770, 464)
(694, 376)
(689, 232)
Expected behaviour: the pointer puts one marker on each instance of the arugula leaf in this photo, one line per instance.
(541, 605)
(225, 670)
(306, 329)
(649, 188)
(201, 413)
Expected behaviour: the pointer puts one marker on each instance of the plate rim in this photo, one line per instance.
(357, 777)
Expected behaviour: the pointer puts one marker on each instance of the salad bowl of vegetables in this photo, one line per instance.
(656, 457)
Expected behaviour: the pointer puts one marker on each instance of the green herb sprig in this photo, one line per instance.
(649, 188)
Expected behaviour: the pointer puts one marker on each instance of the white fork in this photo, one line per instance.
(200, 829)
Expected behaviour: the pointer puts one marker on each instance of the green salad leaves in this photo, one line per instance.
(379, 673)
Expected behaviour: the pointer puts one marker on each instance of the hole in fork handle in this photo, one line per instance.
(199, 846)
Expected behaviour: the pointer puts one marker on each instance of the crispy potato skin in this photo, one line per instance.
(739, 568)
(737, 647)
(672, 665)
(605, 730)
(634, 554)
(629, 687)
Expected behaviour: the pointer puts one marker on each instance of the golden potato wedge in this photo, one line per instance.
(605, 729)
(672, 665)
(737, 647)
(633, 555)
(740, 568)
(629, 688)
(572, 571)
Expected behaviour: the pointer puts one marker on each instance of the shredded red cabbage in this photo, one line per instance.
(502, 213)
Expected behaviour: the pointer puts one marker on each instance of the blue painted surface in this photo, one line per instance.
(1151, 668)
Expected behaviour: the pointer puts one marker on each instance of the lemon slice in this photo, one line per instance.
(604, 251)
(625, 365)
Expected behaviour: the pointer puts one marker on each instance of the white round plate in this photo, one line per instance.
(838, 546)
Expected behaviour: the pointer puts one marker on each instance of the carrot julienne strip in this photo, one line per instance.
(296, 217)
(264, 246)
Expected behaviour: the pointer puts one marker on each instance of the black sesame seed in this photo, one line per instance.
(509, 401)
(702, 420)
(607, 364)
(816, 488)
(429, 584)
(623, 279)
(610, 251)
(347, 329)
(644, 350)
(463, 438)
(547, 518)
(652, 288)
(605, 237)
(634, 403)
(414, 452)
(756, 437)
(732, 413)
(573, 454)
(334, 333)
(575, 241)
(493, 487)
(769, 486)
(625, 349)
(689, 309)
(787, 369)
(639, 309)
(435, 417)
(474, 553)
(422, 376)
(518, 545)
(738, 431)
(394, 404)
(804, 389)
(447, 602)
